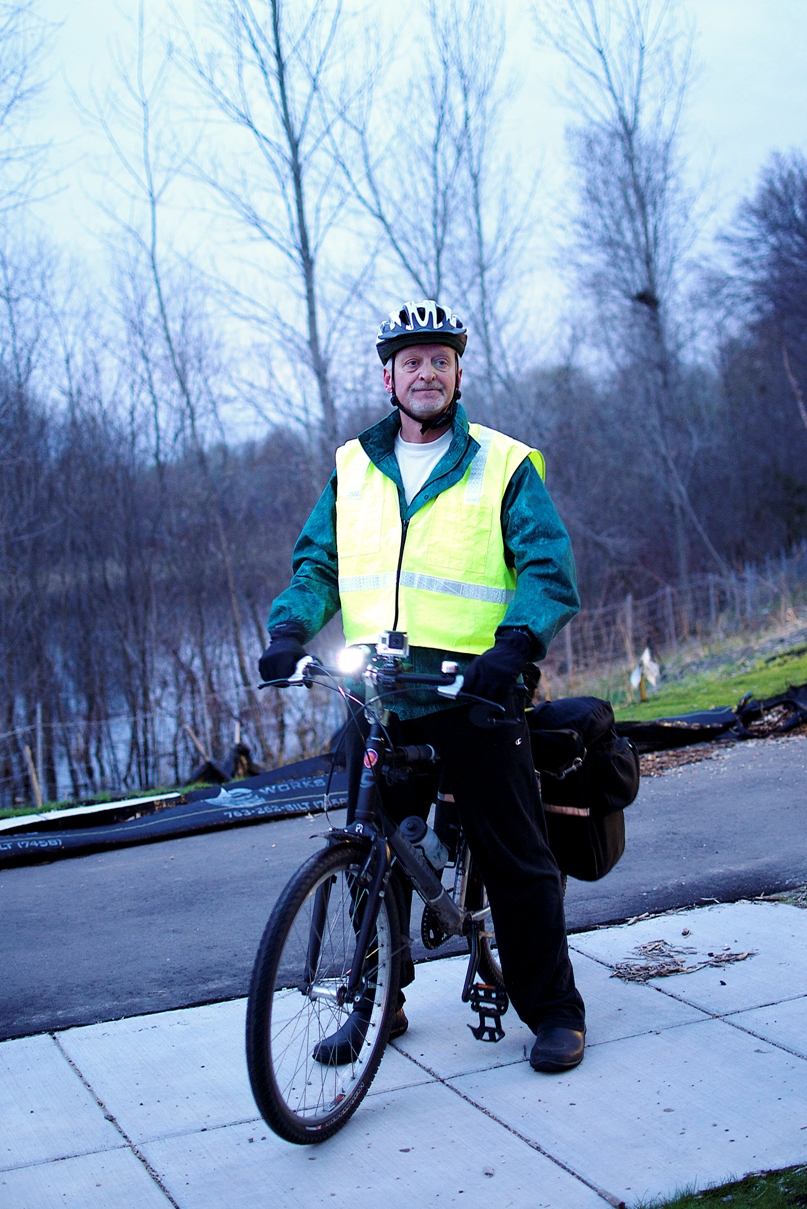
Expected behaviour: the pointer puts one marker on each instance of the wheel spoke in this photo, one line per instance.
(312, 943)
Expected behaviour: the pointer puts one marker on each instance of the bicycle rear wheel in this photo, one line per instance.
(300, 974)
(476, 898)
(490, 970)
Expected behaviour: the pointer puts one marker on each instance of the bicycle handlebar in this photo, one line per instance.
(309, 667)
(447, 684)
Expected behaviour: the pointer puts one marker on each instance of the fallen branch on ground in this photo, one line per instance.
(659, 959)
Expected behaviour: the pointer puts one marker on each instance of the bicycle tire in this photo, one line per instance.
(489, 969)
(302, 1100)
(476, 897)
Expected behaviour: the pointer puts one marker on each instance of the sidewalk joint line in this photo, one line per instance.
(61, 1158)
(663, 990)
(615, 1201)
(478, 1070)
(115, 1123)
(773, 1003)
(710, 1015)
(196, 1130)
(758, 1037)
(647, 1032)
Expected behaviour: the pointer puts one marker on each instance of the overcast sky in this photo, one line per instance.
(749, 98)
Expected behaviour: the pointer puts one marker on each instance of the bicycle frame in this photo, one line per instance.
(382, 842)
(387, 844)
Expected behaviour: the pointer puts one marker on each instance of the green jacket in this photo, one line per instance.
(536, 544)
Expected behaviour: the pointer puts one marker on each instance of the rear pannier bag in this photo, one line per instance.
(589, 774)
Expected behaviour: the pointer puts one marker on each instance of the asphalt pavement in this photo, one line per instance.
(175, 924)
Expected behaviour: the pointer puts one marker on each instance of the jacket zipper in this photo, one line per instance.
(404, 527)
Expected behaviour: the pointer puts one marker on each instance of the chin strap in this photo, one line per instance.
(438, 421)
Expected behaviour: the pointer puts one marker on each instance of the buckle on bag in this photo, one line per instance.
(490, 1003)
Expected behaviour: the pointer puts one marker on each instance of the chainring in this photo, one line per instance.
(431, 931)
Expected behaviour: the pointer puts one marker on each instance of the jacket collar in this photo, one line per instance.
(378, 443)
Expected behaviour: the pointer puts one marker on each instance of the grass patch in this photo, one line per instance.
(765, 678)
(783, 1189)
(105, 798)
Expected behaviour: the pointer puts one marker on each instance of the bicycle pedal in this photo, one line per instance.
(490, 1003)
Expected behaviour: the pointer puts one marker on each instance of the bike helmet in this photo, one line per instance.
(423, 322)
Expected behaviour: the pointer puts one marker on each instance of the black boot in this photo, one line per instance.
(345, 1044)
(557, 1048)
(399, 1022)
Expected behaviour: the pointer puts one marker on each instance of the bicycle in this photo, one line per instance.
(333, 942)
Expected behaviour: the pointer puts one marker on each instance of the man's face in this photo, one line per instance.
(425, 376)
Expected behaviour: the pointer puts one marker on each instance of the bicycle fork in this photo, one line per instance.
(365, 908)
(426, 882)
(375, 875)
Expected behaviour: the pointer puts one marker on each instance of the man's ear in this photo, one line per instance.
(388, 378)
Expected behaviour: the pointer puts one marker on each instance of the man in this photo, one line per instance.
(445, 530)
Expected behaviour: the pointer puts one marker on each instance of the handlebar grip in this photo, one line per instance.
(420, 754)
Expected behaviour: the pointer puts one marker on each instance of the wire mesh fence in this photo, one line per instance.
(76, 757)
(708, 607)
(63, 749)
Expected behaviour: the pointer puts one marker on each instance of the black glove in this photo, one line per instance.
(284, 652)
(493, 674)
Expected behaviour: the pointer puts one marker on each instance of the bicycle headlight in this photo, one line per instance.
(352, 660)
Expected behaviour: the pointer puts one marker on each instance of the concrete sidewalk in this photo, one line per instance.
(691, 1079)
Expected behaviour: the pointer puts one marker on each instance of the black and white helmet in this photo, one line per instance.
(423, 322)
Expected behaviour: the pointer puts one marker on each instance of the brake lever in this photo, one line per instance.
(297, 676)
(482, 712)
(451, 690)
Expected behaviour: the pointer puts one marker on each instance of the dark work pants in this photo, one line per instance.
(491, 775)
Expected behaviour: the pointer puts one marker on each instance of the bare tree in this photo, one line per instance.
(496, 201)
(267, 72)
(23, 40)
(630, 66)
(404, 174)
(173, 344)
(768, 244)
(448, 207)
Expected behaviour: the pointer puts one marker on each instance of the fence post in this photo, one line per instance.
(568, 636)
(748, 576)
(29, 761)
(629, 629)
(735, 590)
(206, 722)
(672, 637)
(38, 748)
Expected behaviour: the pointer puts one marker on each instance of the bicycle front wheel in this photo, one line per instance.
(299, 979)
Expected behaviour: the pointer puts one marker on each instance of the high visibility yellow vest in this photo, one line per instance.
(443, 580)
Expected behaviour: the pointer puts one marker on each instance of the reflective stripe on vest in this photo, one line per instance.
(446, 576)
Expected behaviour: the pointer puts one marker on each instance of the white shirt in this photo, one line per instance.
(417, 461)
